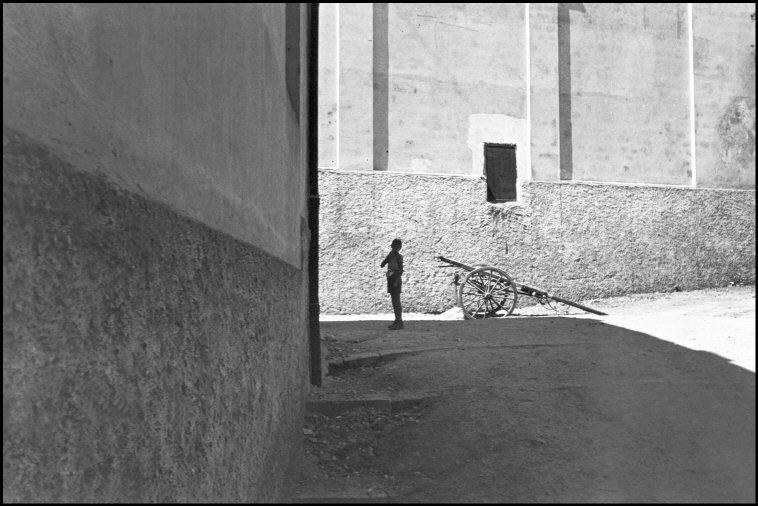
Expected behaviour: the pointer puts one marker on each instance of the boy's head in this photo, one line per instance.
(396, 244)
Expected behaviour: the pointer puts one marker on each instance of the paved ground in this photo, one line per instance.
(655, 402)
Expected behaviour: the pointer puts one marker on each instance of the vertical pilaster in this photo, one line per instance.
(328, 85)
(356, 84)
(525, 173)
(691, 79)
(543, 97)
(381, 85)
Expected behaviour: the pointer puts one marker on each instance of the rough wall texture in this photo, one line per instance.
(146, 357)
(576, 240)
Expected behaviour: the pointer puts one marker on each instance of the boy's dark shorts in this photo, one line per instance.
(394, 284)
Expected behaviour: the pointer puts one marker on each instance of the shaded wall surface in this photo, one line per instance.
(578, 240)
(146, 357)
(154, 301)
(165, 100)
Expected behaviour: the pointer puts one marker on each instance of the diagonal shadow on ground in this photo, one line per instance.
(550, 409)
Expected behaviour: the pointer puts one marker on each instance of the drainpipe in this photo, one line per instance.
(314, 330)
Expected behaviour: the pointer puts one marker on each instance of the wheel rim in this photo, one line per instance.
(485, 291)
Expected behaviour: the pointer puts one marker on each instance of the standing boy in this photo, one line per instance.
(394, 262)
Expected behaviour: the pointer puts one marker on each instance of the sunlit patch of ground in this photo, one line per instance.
(719, 320)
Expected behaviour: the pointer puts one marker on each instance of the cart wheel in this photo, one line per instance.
(485, 291)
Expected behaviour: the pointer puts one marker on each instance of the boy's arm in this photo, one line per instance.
(384, 262)
(400, 262)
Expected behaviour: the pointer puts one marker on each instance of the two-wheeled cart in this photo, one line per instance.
(486, 291)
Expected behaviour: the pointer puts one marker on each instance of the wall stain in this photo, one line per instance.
(736, 131)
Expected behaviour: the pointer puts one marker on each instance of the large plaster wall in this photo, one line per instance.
(626, 74)
(420, 87)
(579, 240)
(456, 80)
(154, 296)
(608, 86)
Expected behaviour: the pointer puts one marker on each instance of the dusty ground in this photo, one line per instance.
(654, 402)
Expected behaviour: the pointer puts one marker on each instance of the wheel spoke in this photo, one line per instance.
(485, 291)
(497, 284)
(482, 280)
(480, 289)
(476, 284)
(488, 309)
(502, 286)
(469, 305)
(485, 309)
(505, 294)
(468, 302)
(479, 307)
(489, 281)
(496, 305)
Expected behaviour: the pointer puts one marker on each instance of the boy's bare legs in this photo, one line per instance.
(398, 311)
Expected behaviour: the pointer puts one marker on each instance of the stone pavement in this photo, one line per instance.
(655, 402)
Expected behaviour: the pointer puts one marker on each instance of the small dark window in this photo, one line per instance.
(500, 170)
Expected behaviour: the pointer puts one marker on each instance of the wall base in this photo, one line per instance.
(578, 240)
(146, 357)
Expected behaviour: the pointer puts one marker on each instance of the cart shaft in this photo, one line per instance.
(456, 264)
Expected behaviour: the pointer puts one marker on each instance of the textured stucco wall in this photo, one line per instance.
(154, 292)
(177, 102)
(574, 239)
(146, 357)
(724, 68)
